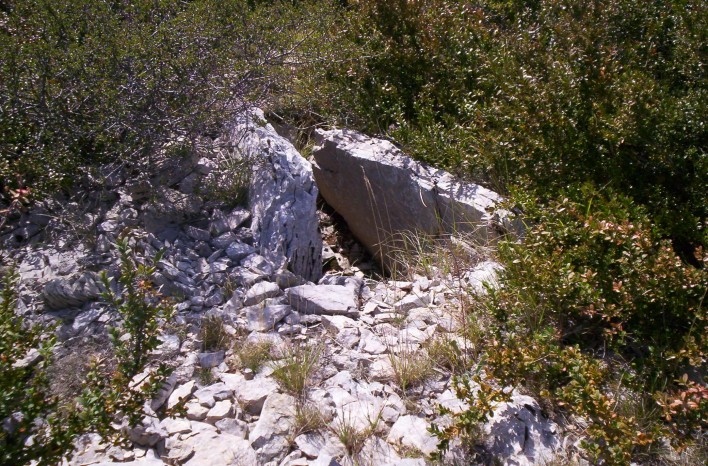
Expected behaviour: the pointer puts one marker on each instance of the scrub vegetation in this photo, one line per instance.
(590, 116)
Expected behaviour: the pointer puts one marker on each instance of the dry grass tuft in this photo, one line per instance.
(213, 335)
(295, 367)
(252, 355)
(411, 368)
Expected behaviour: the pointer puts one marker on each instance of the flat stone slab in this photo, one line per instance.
(324, 299)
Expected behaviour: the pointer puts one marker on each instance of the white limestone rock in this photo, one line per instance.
(233, 426)
(237, 251)
(381, 369)
(377, 451)
(412, 432)
(269, 436)
(412, 301)
(282, 197)
(263, 319)
(148, 432)
(250, 394)
(196, 411)
(382, 192)
(211, 448)
(520, 435)
(209, 360)
(66, 292)
(336, 323)
(224, 240)
(314, 444)
(181, 393)
(174, 426)
(197, 233)
(209, 395)
(221, 409)
(259, 292)
(371, 343)
(221, 223)
(324, 299)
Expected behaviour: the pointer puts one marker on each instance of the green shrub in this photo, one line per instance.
(540, 94)
(140, 307)
(24, 390)
(142, 311)
(595, 314)
(466, 426)
(84, 81)
(608, 278)
(36, 426)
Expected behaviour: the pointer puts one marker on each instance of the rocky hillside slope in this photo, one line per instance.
(274, 362)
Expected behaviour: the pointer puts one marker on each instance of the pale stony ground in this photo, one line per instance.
(230, 264)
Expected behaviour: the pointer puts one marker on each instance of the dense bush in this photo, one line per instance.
(600, 311)
(600, 318)
(84, 81)
(609, 280)
(542, 94)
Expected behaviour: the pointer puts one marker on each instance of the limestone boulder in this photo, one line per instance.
(250, 394)
(282, 197)
(520, 434)
(75, 291)
(412, 432)
(148, 432)
(211, 447)
(382, 193)
(269, 436)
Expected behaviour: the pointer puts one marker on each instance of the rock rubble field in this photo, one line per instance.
(314, 368)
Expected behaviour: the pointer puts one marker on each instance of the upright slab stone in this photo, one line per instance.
(282, 198)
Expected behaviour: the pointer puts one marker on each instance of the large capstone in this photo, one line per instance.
(382, 194)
